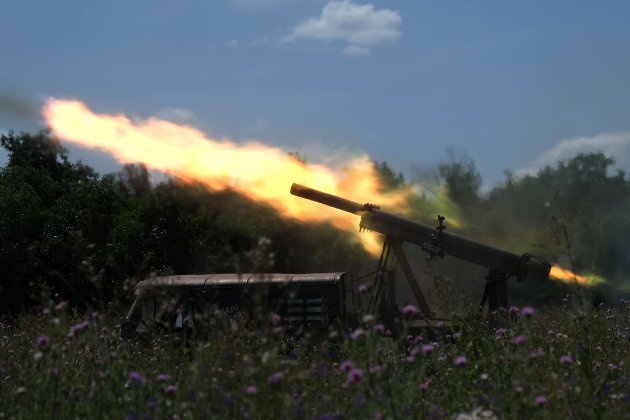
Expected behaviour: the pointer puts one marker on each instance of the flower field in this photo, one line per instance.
(565, 361)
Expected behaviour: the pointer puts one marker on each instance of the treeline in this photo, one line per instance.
(66, 230)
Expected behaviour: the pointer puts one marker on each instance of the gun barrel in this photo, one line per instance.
(327, 199)
(417, 233)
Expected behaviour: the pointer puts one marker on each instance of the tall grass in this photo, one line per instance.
(518, 363)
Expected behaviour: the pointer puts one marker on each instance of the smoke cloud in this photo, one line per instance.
(614, 145)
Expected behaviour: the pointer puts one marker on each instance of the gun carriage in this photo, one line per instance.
(501, 264)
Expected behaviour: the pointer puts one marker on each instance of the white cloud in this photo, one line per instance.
(359, 25)
(356, 51)
(232, 43)
(614, 145)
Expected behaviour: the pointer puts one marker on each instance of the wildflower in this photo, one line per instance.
(77, 328)
(275, 318)
(353, 376)
(518, 389)
(440, 324)
(375, 370)
(424, 386)
(135, 378)
(170, 389)
(520, 340)
(379, 328)
(537, 353)
(54, 371)
(551, 333)
(540, 400)
(354, 335)
(477, 413)
(251, 390)
(42, 341)
(427, 348)
(346, 366)
(162, 377)
(461, 361)
(513, 310)
(527, 311)
(409, 310)
(363, 288)
(368, 318)
(61, 305)
(45, 311)
(410, 359)
(274, 378)
(484, 376)
(566, 359)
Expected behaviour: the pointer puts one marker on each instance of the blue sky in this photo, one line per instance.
(515, 85)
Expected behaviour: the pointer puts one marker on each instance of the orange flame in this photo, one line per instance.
(568, 276)
(258, 171)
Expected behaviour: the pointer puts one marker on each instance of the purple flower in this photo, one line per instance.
(61, 305)
(170, 389)
(461, 361)
(274, 378)
(76, 328)
(520, 340)
(375, 370)
(275, 318)
(513, 309)
(427, 348)
(363, 288)
(409, 309)
(518, 389)
(353, 376)
(162, 377)
(45, 311)
(566, 359)
(551, 333)
(346, 366)
(410, 359)
(135, 378)
(42, 341)
(354, 335)
(251, 390)
(424, 386)
(528, 311)
(379, 328)
(540, 400)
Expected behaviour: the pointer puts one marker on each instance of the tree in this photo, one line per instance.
(462, 180)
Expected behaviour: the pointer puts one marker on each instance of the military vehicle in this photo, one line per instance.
(318, 300)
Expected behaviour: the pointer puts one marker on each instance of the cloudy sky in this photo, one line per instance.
(515, 85)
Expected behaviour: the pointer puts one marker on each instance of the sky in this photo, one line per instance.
(513, 85)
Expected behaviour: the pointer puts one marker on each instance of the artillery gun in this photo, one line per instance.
(501, 264)
(317, 301)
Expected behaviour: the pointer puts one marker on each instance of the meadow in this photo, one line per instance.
(564, 360)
